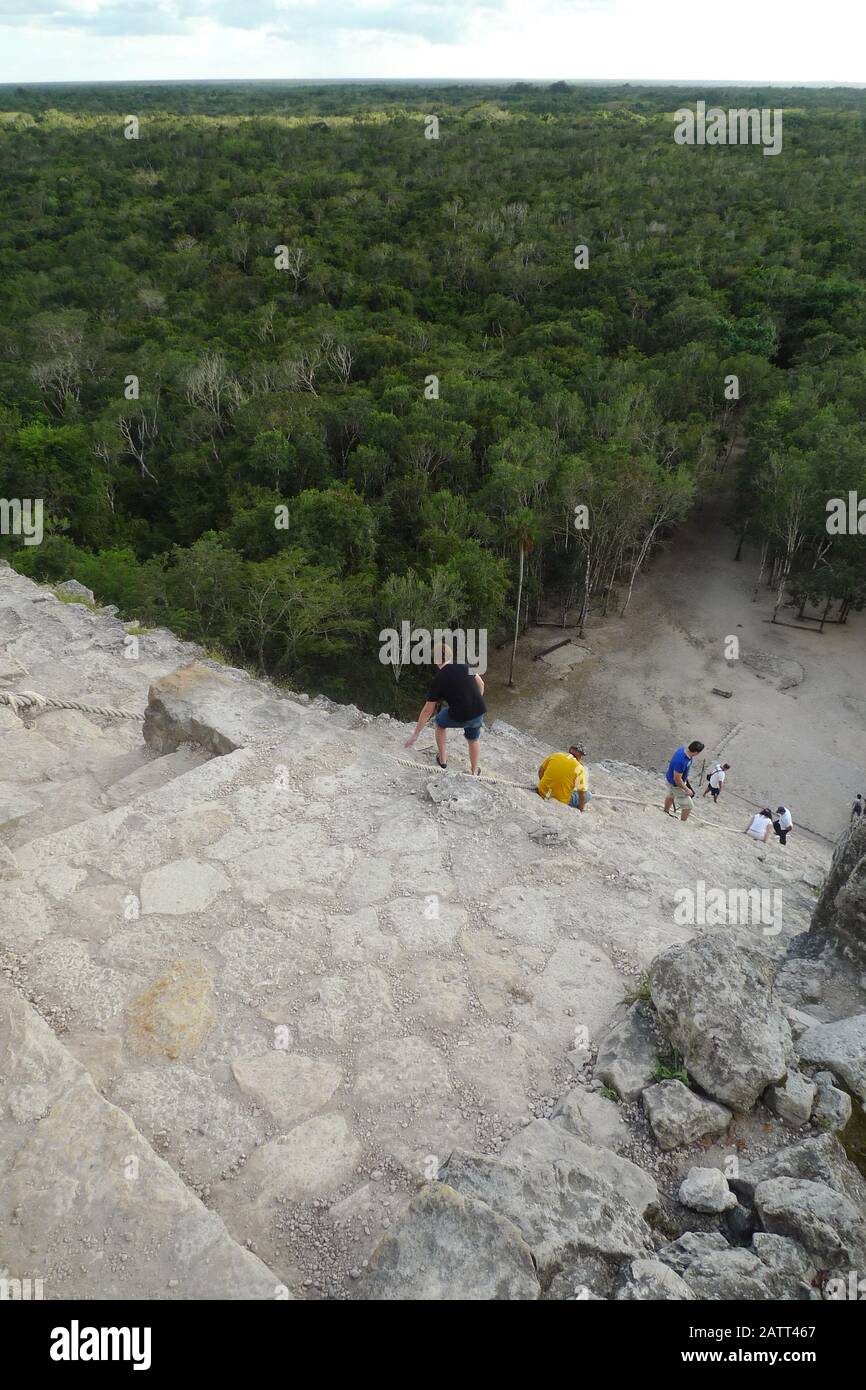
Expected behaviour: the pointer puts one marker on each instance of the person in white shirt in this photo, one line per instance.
(716, 779)
(783, 824)
(760, 825)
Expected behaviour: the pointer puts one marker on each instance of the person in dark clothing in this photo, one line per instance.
(857, 808)
(462, 693)
(783, 824)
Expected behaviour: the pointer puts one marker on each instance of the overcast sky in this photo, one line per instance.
(744, 40)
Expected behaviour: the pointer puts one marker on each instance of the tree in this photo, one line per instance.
(425, 603)
(520, 468)
(294, 610)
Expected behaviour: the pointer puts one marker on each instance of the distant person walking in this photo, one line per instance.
(760, 825)
(783, 824)
(679, 791)
(462, 692)
(716, 780)
(857, 808)
(562, 776)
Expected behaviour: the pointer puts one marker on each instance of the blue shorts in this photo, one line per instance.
(575, 798)
(471, 727)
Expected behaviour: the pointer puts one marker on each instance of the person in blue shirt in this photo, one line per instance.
(678, 789)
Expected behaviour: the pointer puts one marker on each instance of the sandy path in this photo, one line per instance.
(646, 682)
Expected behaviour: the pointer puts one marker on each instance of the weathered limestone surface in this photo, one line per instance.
(823, 1221)
(450, 1247)
(792, 1100)
(819, 1159)
(220, 709)
(705, 1189)
(678, 1116)
(841, 1047)
(715, 999)
(840, 913)
(566, 1208)
(85, 1203)
(628, 1055)
(300, 980)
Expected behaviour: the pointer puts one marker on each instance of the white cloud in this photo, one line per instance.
(69, 40)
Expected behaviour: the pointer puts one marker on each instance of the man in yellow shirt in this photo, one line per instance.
(562, 776)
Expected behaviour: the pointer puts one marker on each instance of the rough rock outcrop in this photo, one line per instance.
(824, 1222)
(628, 1055)
(832, 1109)
(773, 1267)
(841, 1047)
(650, 1280)
(76, 589)
(819, 1159)
(446, 1247)
(706, 1189)
(793, 1099)
(542, 1141)
(725, 1275)
(677, 1116)
(220, 708)
(714, 996)
(571, 1216)
(840, 912)
(591, 1117)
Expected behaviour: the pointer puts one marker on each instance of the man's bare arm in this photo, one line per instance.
(425, 714)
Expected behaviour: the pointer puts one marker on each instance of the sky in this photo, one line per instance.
(786, 41)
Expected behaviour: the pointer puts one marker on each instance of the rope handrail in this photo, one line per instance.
(530, 787)
(29, 699)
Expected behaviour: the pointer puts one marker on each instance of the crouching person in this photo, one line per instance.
(562, 776)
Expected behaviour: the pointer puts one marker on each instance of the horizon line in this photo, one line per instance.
(828, 84)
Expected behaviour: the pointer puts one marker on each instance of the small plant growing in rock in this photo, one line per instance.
(609, 1094)
(639, 991)
(671, 1068)
(75, 598)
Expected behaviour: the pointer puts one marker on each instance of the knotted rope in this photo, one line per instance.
(28, 699)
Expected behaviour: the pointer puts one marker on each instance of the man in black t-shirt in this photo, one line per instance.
(462, 692)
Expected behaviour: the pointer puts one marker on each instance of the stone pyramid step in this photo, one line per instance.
(53, 806)
(86, 1205)
(151, 775)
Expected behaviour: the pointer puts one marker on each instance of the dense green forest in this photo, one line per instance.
(295, 364)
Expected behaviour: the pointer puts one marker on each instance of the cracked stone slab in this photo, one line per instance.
(183, 886)
(290, 1086)
(313, 1158)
